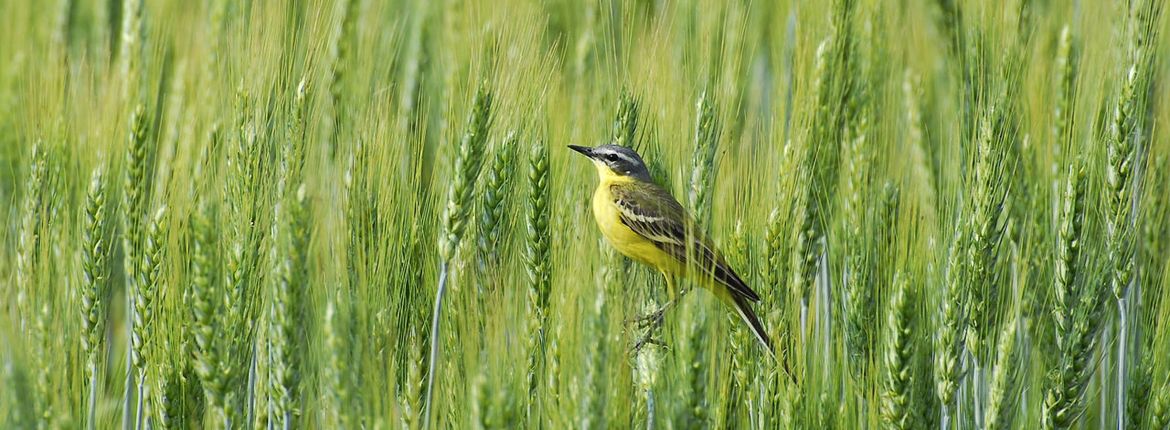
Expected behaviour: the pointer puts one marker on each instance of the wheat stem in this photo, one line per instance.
(468, 161)
(435, 315)
(134, 208)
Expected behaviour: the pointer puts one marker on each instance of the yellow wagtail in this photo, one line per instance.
(644, 222)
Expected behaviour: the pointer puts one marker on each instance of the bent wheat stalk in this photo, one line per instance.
(468, 161)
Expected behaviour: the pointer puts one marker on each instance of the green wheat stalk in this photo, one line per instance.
(898, 380)
(129, 47)
(1158, 416)
(952, 322)
(337, 385)
(343, 44)
(133, 209)
(494, 204)
(1067, 56)
(537, 264)
(985, 231)
(1122, 151)
(289, 231)
(707, 133)
(858, 289)
(625, 124)
(1004, 393)
(1077, 313)
(28, 242)
(94, 256)
(1068, 250)
(206, 313)
(468, 160)
(145, 292)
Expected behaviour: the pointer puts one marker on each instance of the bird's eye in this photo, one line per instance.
(611, 157)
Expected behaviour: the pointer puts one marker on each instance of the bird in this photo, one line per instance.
(644, 222)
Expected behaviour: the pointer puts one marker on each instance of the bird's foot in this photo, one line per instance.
(652, 320)
(650, 324)
(646, 339)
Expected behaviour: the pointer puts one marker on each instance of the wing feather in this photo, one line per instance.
(654, 214)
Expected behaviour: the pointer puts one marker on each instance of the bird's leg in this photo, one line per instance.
(654, 319)
(652, 322)
(677, 292)
(646, 339)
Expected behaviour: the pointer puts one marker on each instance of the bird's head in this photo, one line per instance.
(616, 160)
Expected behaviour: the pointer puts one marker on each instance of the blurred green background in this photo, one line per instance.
(235, 213)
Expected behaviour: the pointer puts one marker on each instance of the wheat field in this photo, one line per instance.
(242, 214)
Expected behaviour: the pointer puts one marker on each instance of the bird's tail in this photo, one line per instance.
(743, 307)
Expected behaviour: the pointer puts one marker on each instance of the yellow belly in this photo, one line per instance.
(625, 240)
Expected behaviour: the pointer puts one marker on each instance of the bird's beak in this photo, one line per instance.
(587, 151)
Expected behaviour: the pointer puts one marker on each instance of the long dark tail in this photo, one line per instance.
(743, 307)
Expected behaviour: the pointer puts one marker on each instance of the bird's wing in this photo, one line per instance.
(654, 214)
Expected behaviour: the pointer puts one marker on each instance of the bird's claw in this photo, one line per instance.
(650, 323)
(650, 320)
(647, 339)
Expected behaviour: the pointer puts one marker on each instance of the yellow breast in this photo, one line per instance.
(622, 238)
